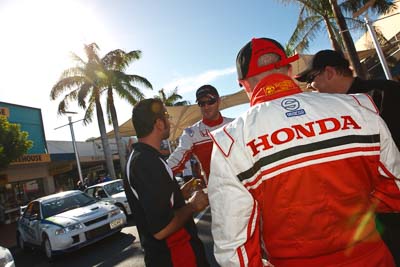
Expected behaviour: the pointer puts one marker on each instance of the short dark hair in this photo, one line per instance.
(144, 115)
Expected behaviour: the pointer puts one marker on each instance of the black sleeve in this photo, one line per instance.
(155, 190)
(364, 86)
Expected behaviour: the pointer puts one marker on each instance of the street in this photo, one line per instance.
(122, 249)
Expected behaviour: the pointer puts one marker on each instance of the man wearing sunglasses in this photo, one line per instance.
(195, 140)
(163, 211)
(329, 72)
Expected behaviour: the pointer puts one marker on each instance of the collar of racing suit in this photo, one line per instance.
(212, 123)
(273, 86)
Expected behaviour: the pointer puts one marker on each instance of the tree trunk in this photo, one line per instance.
(334, 43)
(347, 40)
(118, 139)
(104, 138)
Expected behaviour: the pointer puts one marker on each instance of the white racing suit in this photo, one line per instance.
(196, 141)
(298, 178)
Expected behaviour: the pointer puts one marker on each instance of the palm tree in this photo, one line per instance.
(115, 62)
(314, 15)
(172, 98)
(84, 83)
(347, 39)
(379, 6)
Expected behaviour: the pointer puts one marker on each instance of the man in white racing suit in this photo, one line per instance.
(298, 178)
(195, 139)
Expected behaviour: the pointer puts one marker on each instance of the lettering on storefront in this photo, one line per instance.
(32, 158)
(4, 112)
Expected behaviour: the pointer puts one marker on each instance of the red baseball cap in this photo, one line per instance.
(247, 58)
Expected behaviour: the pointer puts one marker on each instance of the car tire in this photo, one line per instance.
(46, 245)
(20, 242)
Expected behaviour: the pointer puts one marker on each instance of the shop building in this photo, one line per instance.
(27, 177)
(64, 168)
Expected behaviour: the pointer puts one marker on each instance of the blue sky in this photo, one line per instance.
(184, 43)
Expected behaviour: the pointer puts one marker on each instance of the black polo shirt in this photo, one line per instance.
(154, 195)
(388, 105)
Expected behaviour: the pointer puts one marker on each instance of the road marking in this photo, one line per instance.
(198, 217)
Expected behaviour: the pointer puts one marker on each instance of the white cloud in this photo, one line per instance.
(191, 83)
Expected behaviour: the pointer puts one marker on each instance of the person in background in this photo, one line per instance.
(107, 178)
(299, 176)
(195, 140)
(163, 211)
(80, 185)
(86, 182)
(329, 72)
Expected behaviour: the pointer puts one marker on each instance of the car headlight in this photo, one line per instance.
(69, 228)
(114, 212)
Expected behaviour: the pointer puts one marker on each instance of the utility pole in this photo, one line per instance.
(372, 32)
(378, 49)
(71, 127)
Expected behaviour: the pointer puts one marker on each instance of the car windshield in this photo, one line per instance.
(114, 188)
(60, 205)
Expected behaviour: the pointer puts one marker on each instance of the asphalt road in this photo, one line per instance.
(122, 249)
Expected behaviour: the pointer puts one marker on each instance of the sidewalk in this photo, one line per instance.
(7, 235)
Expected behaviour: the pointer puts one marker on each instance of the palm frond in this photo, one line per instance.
(83, 93)
(62, 107)
(379, 7)
(77, 59)
(88, 117)
(306, 31)
(91, 52)
(119, 60)
(66, 84)
(182, 103)
(72, 72)
(132, 90)
(140, 81)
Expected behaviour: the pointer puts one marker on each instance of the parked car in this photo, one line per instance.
(112, 191)
(67, 221)
(6, 258)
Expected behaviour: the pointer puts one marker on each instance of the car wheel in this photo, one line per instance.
(20, 241)
(47, 248)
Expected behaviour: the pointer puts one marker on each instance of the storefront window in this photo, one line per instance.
(65, 182)
(14, 195)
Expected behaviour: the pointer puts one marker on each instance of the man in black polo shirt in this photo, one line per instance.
(329, 72)
(163, 218)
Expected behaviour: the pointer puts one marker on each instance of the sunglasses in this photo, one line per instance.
(311, 77)
(207, 102)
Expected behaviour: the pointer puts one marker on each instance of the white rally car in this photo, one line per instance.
(112, 191)
(67, 221)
